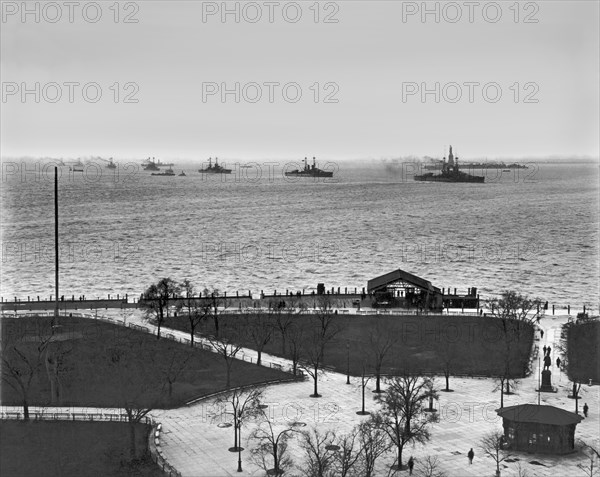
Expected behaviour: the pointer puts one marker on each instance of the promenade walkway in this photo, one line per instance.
(194, 441)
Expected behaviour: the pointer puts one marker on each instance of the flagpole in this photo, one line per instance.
(56, 310)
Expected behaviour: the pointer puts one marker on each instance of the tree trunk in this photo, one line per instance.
(502, 396)
(377, 382)
(259, 357)
(447, 375)
(315, 379)
(25, 409)
(400, 457)
(235, 435)
(216, 320)
(132, 449)
(282, 343)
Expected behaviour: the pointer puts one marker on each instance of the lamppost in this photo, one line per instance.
(239, 469)
(347, 361)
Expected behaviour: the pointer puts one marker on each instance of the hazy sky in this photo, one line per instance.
(377, 59)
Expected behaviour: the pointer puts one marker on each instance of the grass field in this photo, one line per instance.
(583, 351)
(49, 448)
(104, 365)
(472, 345)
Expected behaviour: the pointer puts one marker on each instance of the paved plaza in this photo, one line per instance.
(195, 445)
(195, 440)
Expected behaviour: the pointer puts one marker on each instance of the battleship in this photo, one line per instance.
(216, 169)
(450, 172)
(152, 165)
(309, 171)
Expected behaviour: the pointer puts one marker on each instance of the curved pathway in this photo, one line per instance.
(194, 443)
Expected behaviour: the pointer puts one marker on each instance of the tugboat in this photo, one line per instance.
(111, 164)
(168, 172)
(182, 173)
(450, 173)
(309, 171)
(216, 169)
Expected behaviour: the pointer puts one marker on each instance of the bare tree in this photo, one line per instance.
(155, 302)
(215, 301)
(319, 460)
(196, 312)
(504, 383)
(23, 358)
(245, 405)
(373, 443)
(228, 351)
(347, 457)
(513, 306)
(493, 446)
(283, 321)
(326, 323)
(259, 328)
(448, 357)
(296, 345)
(363, 384)
(313, 353)
(134, 388)
(591, 467)
(55, 359)
(381, 340)
(172, 362)
(402, 414)
(429, 467)
(271, 452)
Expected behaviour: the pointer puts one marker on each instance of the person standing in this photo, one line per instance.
(470, 455)
(542, 333)
(411, 465)
(558, 363)
(585, 409)
(545, 348)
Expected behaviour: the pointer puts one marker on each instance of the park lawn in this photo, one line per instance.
(476, 344)
(72, 448)
(583, 351)
(107, 365)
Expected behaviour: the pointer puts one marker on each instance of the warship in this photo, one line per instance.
(450, 172)
(216, 169)
(309, 171)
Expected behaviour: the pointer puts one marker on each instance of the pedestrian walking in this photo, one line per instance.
(549, 350)
(585, 409)
(558, 363)
(470, 455)
(411, 465)
(542, 333)
(545, 348)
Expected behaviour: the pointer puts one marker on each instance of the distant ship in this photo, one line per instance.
(152, 165)
(309, 171)
(216, 169)
(168, 172)
(77, 167)
(111, 164)
(182, 173)
(450, 173)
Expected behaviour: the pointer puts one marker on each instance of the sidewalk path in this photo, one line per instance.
(194, 441)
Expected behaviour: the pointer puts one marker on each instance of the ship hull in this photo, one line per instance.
(223, 171)
(440, 178)
(309, 174)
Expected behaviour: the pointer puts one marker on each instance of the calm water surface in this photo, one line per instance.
(535, 230)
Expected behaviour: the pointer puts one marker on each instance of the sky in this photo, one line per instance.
(345, 80)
